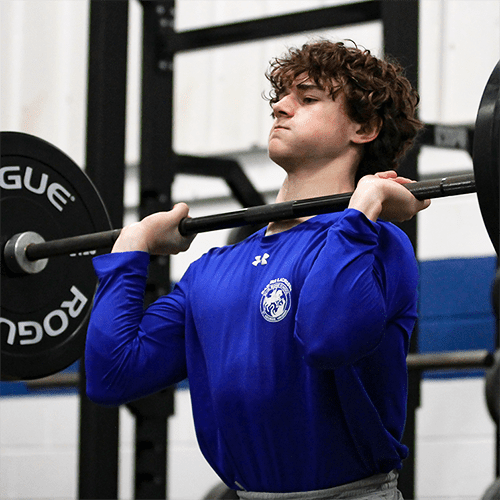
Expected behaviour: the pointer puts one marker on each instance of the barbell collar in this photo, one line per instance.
(16, 258)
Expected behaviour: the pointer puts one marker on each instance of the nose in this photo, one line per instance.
(284, 107)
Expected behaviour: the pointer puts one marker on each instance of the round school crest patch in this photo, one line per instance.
(276, 300)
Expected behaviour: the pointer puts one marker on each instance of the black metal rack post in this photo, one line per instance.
(105, 162)
(157, 170)
(151, 438)
(400, 25)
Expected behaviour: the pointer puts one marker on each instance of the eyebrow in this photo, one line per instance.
(308, 86)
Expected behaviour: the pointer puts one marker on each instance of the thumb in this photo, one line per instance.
(181, 208)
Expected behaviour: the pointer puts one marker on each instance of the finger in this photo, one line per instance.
(182, 209)
(388, 174)
(183, 213)
(422, 205)
(403, 180)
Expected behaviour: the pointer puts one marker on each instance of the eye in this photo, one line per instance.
(309, 100)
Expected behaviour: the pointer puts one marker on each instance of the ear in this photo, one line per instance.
(368, 132)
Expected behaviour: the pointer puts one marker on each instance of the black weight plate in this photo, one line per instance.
(493, 492)
(492, 389)
(44, 316)
(486, 156)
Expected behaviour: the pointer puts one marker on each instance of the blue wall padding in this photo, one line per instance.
(457, 334)
(456, 287)
(455, 308)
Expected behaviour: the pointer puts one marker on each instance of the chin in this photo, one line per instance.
(287, 165)
(281, 159)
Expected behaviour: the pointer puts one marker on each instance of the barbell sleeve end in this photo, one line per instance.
(15, 256)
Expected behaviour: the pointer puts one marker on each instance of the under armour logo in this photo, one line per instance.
(261, 259)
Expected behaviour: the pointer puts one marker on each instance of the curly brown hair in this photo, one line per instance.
(374, 89)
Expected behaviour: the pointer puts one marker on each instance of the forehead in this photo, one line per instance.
(304, 82)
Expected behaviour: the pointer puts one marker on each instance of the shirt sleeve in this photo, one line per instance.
(364, 279)
(131, 352)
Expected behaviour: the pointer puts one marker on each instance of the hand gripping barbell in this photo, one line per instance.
(50, 208)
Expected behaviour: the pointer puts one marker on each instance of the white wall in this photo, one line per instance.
(459, 47)
(44, 70)
(43, 92)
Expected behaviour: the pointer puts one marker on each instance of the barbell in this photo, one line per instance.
(50, 208)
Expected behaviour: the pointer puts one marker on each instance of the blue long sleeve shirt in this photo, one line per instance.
(294, 344)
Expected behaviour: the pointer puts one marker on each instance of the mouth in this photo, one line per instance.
(280, 127)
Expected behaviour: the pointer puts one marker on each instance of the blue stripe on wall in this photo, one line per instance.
(455, 308)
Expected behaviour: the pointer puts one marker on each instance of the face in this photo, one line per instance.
(311, 128)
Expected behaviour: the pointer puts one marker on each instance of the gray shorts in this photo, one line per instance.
(379, 487)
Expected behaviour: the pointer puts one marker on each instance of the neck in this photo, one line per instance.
(306, 184)
(302, 183)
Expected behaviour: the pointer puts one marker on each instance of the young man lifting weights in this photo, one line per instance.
(296, 361)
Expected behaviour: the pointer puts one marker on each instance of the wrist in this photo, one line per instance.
(367, 199)
(131, 239)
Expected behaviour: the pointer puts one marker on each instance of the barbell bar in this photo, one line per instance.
(455, 360)
(19, 257)
(50, 208)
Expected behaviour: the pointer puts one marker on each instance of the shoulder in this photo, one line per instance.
(396, 256)
(393, 237)
(228, 251)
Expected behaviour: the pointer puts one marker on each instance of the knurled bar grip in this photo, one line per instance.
(434, 188)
